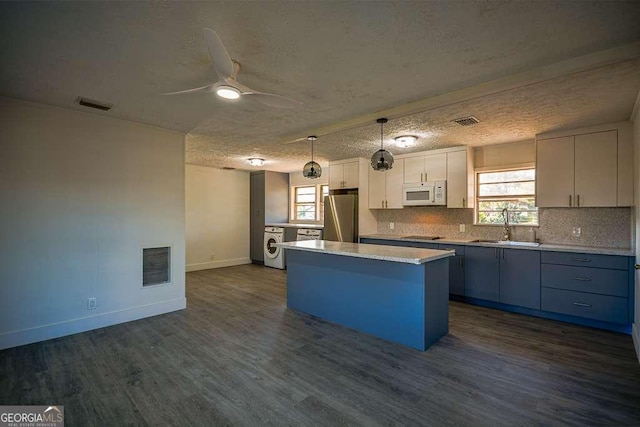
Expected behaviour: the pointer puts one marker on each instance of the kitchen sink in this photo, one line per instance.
(509, 242)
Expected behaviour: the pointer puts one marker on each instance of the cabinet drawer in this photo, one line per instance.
(582, 304)
(586, 260)
(583, 279)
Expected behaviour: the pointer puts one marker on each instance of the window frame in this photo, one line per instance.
(479, 199)
(318, 203)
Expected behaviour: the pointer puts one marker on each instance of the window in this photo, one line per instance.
(308, 202)
(512, 189)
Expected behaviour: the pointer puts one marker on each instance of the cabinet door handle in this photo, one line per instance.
(581, 304)
(502, 253)
(421, 177)
(578, 199)
(581, 259)
(382, 202)
(386, 203)
(569, 199)
(495, 253)
(582, 279)
(461, 262)
(463, 203)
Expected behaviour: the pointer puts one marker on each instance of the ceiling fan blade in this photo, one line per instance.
(198, 89)
(273, 100)
(222, 62)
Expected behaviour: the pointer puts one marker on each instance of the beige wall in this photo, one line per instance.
(217, 217)
(512, 155)
(81, 195)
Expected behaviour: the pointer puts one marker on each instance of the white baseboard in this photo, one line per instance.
(218, 264)
(74, 326)
(635, 334)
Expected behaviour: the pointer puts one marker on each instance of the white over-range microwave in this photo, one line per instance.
(425, 193)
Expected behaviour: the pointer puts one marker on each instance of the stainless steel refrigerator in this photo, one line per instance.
(341, 218)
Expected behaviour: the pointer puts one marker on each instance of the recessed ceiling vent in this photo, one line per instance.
(92, 103)
(466, 121)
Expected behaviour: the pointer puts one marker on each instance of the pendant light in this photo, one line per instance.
(382, 160)
(312, 170)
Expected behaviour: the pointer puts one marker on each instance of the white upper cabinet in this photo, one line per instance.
(343, 175)
(432, 167)
(584, 170)
(555, 172)
(385, 188)
(460, 179)
(596, 170)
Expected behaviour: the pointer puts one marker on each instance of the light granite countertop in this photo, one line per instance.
(360, 250)
(542, 247)
(293, 225)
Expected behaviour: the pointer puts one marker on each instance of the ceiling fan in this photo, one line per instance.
(227, 86)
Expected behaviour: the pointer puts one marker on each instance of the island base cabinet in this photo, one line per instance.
(582, 304)
(482, 273)
(404, 303)
(520, 278)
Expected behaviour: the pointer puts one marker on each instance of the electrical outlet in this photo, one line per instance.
(576, 231)
(91, 303)
(391, 226)
(462, 228)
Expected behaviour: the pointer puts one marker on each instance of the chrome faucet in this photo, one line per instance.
(507, 228)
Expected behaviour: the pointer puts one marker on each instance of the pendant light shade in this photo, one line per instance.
(382, 160)
(312, 170)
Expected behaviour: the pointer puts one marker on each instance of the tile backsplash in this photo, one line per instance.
(606, 227)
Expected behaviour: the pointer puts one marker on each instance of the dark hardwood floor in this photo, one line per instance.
(237, 356)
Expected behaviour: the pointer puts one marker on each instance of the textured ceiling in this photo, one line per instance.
(341, 59)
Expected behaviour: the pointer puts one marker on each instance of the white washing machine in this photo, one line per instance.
(273, 256)
(309, 234)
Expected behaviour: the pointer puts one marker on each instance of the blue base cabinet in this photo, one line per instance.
(591, 286)
(482, 273)
(588, 289)
(456, 269)
(520, 277)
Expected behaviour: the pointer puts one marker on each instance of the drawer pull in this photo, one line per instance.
(581, 259)
(582, 279)
(581, 304)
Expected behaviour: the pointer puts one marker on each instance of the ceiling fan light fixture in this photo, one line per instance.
(382, 160)
(256, 161)
(312, 170)
(406, 141)
(227, 92)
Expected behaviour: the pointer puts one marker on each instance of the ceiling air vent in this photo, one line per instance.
(92, 103)
(466, 121)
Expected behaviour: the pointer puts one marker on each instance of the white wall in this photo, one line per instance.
(80, 195)
(217, 217)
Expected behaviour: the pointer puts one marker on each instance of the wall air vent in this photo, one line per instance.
(466, 121)
(92, 103)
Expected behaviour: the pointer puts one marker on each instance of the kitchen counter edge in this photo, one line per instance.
(543, 246)
(369, 251)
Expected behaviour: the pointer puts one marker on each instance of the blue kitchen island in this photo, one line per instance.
(395, 293)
